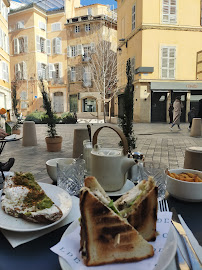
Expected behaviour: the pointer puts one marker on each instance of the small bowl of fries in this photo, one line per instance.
(185, 184)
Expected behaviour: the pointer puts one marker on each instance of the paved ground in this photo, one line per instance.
(155, 141)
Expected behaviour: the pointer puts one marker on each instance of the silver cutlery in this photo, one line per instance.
(194, 260)
(179, 258)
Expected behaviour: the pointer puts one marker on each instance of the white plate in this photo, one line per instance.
(165, 259)
(59, 196)
(128, 185)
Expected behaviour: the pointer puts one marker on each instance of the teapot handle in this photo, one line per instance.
(119, 132)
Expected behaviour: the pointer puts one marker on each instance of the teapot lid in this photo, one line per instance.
(107, 152)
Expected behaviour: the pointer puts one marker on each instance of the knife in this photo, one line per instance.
(180, 261)
(194, 260)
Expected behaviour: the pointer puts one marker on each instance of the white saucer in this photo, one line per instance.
(128, 185)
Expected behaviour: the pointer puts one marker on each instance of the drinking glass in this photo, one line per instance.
(87, 148)
(11, 124)
(157, 171)
(70, 177)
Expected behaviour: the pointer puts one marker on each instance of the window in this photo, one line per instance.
(40, 44)
(73, 51)
(87, 27)
(73, 74)
(4, 72)
(4, 41)
(86, 52)
(20, 25)
(58, 71)
(77, 28)
(22, 43)
(169, 11)
(168, 59)
(21, 71)
(90, 12)
(23, 105)
(87, 77)
(133, 17)
(42, 25)
(55, 27)
(57, 46)
(23, 95)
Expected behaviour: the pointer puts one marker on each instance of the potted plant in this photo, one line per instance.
(15, 101)
(53, 141)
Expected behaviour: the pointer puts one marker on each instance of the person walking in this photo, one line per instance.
(191, 115)
(177, 105)
(170, 110)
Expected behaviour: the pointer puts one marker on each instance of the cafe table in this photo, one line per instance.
(36, 254)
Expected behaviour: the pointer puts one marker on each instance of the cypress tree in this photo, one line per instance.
(126, 123)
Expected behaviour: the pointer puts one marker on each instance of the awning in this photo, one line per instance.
(160, 90)
(176, 85)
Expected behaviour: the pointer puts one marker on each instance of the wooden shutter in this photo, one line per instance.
(26, 44)
(16, 46)
(133, 17)
(48, 46)
(39, 71)
(168, 59)
(54, 46)
(60, 70)
(79, 49)
(8, 45)
(1, 75)
(68, 51)
(4, 71)
(7, 73)
(38, 45)
(24, 70)
(1, 37)
(51, 69)
(92, 45)
(58, 45)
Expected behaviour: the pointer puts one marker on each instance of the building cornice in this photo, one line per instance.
(160, 27)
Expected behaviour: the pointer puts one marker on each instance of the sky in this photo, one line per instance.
(105, 2)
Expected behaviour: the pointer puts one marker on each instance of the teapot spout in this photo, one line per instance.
(127, 164)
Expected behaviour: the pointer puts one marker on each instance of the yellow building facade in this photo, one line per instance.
(162, 38)
(5, 85)
(40, 44)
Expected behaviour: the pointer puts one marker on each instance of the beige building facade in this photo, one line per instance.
(50, 45)
(5, 84)
(162, 38)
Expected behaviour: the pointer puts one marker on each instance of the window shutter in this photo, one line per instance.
(168, 58)
(92, 45)
(1, 68)
(54, 46)
(58, 46)
(7, 73)
(76, 52)
(8, 46)
(60, 70)
(39, 71)
(26, 44)
(38, 45)
(24, 70)
(1, 36)
(68, 51)
(16, 46)
(48, 46)
(51, 69)
(16, 71)
(44, 47)
(133, 17)
(4, 71)
(79, 49)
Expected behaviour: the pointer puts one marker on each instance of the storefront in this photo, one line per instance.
(163, 93)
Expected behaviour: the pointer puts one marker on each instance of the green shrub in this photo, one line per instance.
(68, 118)
(37, 117)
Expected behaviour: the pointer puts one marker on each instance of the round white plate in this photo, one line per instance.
(128, 185)
(59, 196)
(165, 259)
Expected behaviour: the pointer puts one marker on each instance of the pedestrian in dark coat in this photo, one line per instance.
(170, 110)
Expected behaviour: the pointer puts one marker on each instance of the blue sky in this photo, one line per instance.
(105, 2)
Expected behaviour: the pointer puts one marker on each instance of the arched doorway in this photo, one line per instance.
(58, 102)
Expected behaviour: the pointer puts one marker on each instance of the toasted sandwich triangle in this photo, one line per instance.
(106, 237)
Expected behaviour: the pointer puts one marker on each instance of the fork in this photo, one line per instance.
(182, 264)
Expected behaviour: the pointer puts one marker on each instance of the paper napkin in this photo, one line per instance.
(19, 238)
(192, 239)
(10, 137)
(68, 248)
